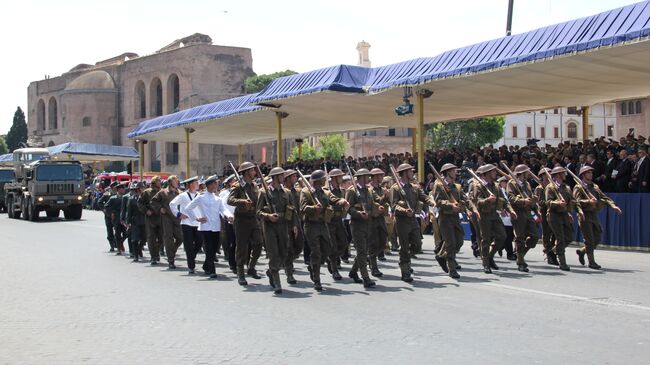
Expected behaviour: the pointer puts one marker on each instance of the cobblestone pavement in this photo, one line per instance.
(66, 300)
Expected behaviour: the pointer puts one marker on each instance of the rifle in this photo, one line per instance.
(582, 184)
(480, 181)
(557, 190)
(354, 186)
(327, 178)
(240, 179)
(521, 191)
(267, 194)
(401, 187)
(309, 187)
(444, 183)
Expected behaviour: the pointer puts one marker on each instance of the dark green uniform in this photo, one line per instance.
(276, 234)
(493, 234)
(378, 237)
(101, 202)
(295, 243)
(360, 226)
(548, 240)
(171, 225)
(152, 222)
(316, 230)
(524, 226)
(337, 233)
(127, 228)
(590, 226)
(408, 228)
(451, 230)
(559, 217)
(113, 209)
(136, 221)
(247, 228)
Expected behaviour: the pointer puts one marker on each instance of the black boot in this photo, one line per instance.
(376, 273)
(551, 258)
(406, 277)
(443, 263)
(355, 277)
(581, 256)
(318, 286)
(367, 283)
(454, 274)
(241, 280)
(253, 273)
(493, 265)
(336, 275)
(522, 268)
(290, 279)
(268, 274)
(487, 270)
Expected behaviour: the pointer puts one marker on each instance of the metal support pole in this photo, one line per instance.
(300, 150)
(141, 160)
(103, 166)
(420, 139)
(509, 20)
(278, 143)
(240, 154)
(585, 123)
(187, 151)
(414, 141)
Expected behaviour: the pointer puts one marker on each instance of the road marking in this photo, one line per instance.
(610, 302)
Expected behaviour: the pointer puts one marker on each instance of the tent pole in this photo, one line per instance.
(585, 123)
(278, 143)
(187, 151)
(413, 141)
(420, 139)
(103, 166)
(140, 163)
(240, 154)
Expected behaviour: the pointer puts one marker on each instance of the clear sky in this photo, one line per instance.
(50, 37)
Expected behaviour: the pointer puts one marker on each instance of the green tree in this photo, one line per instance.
(308, 153)
(256, 83)
(466, 133)
(332, 146)
(3, 145)
(18, 131)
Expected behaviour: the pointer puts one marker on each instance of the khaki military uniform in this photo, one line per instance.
(408, 228)
(172, 235)
(152, 222)
(276, 234)
(359, 226)
(559, 217)
(316, 230)
(548, 240)
(295, 243)
(590, 226)
(248, 232)
(493, 234)
(337, 231)
(378, 238)
(451, 230)
(524, 226)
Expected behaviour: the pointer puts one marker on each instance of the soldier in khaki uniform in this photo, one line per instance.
(171, 225)
(152, 220)
(560, 204)
(523, 201)
(450, 201)
(407, 200)
(295, 242)
(361, 201)
(316, 208)
(389, 218)
(276, 211)
(378, 238)
(337, 229)
(488, 199)
(591, 199)
(247, 227)
(548, 240)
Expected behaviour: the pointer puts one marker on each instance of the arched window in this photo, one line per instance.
(173, 93)
(52, 114)
(630, 108)
(572, 130)
(638, 107)
(40, 115)
(156, 98)
(624, 108)
(140, 101)
(50, 144)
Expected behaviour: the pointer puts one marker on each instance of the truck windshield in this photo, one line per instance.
(59, 173)
(6, 175)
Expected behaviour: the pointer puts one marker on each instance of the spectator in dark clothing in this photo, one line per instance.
(623, 173)
(610, 166)
(641, 172)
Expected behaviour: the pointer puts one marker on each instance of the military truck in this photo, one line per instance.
(46, 185)
(6, 176)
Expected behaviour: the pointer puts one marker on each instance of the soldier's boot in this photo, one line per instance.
(444, 263)
(581, 256)
(270, 276)
(493, 265)
(592, 261)
(406, 273)
(355, 277)
(278, 283)
(171, 265)
(374, 269)
(451, 265)
(562, 259)
(336, 275)
(311, 272)
(381, 256)
(367, 283)
(251, 269)
(316, 277)
(521, 263)
(241, 278)
(551, 258)
(289, 273)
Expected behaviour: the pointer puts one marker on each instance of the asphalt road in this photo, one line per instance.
(66, 300)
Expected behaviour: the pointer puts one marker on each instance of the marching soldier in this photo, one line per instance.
(230, 241)
(407, 201)
(316, 207)
(247, 228)
(101, 202)
(547, 234)
(192, 240)
(488, 199)
(386, 183)
(125, 227)
(378, 237)
(276, 211)
(450, 201)
(135, 220)
(361, 200)
(295, 242)
(521, 197)
(338, 235)
(560, 204)
(591, 199)
(152, 220)
(113, 208)
(171, 225)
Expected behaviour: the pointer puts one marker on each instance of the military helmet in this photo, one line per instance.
(543, 171)
(448, 166)
(289, 172)
(485, 168)
(317, 175)
(584, 169)
(245, 166)
(276, 171)
(155, 179)
(172, 177)
(404, 167)
(521, 168)
(336, 172)
(362, 172)
(387, 180)
(557, 170)
(377, 171)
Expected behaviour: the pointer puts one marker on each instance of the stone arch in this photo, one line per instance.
(52, 114)
(572, 130)
(173, 93)
(156, 98)
(40, 115)
(50, 144)
(140, 100)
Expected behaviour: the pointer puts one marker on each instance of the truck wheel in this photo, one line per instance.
(24, 208)
(10, 206)
(33, 211)
(52, 213)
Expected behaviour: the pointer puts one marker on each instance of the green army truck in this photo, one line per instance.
(6, 176)
(42, 184)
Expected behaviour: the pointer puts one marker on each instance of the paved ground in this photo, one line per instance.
(66, 300)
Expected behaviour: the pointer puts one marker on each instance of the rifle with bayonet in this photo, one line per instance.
(582, 185)
(401, 187)
(267, 192)
(309, 187)
(480, 181)
(239, 179)
(354, 186)
(521, 191)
